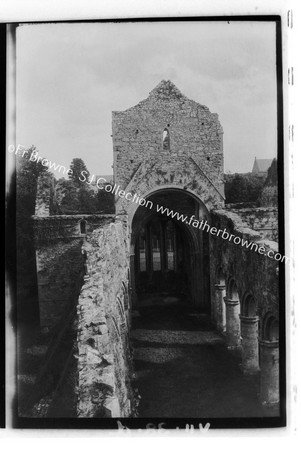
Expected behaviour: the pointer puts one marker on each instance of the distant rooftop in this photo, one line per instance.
(261, 165)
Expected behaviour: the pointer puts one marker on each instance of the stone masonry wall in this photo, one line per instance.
(59, 267)
(253, 273)
(263, 220)
(142, 163)
(60, 263)
(104, 364)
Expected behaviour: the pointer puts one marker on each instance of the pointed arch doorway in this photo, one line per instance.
(169, 256)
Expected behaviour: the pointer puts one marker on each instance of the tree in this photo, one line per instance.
(272, 176)
(269, 194)
(86, 198)
(66, 195)
(78, 167)
(74, 196)
(26, 183)
(105, 202)
(75, 199)
(243, 188)
(26, 176)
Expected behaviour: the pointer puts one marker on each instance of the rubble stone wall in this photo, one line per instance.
(104, 364)
(263, 220)
(59, 260)
(192, 158)
(252, 272)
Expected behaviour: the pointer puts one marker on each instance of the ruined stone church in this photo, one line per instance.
(168, 150)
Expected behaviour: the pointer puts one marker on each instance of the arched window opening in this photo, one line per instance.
(271, 329)
(82, 226)
(249, 306)
(166, 139)
(220, 278)
(274, 331)
(233, 293)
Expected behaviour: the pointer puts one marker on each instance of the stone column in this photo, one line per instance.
(249, 343)
(269, 365)
(232, 323)
(220, 316)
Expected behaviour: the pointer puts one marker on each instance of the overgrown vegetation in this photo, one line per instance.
(70, 197)
(74, 196)
(26, 176)
(243, 188)
(269, 194)
(272, 176)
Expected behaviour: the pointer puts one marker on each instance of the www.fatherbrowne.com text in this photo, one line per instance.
(102, 183)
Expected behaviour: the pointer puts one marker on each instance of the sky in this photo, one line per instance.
(70, 77)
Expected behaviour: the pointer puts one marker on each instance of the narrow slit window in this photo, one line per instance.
(166, 140)
(82, 227)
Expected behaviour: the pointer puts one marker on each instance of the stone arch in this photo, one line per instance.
(203, 210)
(190, 234)
(249, 305)
(232, 290)
(220, 278)
(270, 328)
(180, 173)
(190, 231)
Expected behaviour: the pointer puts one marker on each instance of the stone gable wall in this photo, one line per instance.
(195, 136)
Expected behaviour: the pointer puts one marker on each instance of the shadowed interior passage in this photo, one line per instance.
(183, 367)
